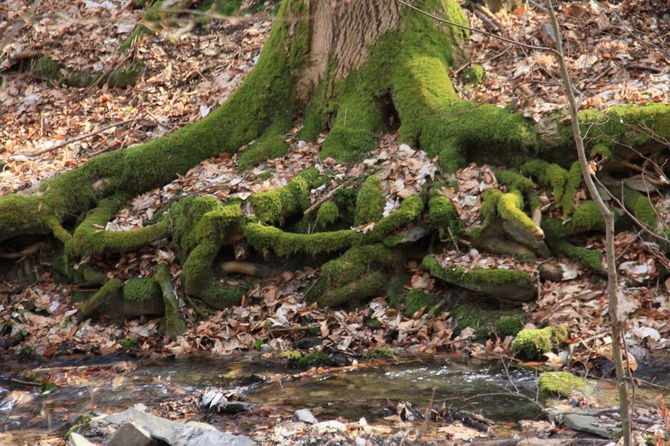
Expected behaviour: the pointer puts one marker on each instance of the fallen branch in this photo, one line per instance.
(78, 138)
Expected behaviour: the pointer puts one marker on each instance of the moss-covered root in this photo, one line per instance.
(519, 226)
(274, 206)
(557, 239)
(89, 238)
(174, 324)
(531, 344)
(443, 215)
(200, 228)
(640, 206)
(110, 291)
(356, 122)
(360, 273)
(563, 183)
(506, 285)
(560, 384)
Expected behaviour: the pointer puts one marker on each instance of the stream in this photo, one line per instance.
(111, 384)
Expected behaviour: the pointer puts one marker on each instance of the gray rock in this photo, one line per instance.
(76, 439)
(328, 427)
(195, 435)
(159, 428)
(130, 434)
(178, 434)
(589, 424)
(305, 415)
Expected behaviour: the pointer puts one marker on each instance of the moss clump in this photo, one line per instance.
(556, 233)
(380, 353)
(359, 274)
(47, 68)
(109, 292)
(487, 322)
(559, 384)
(130, 343)
(508, 285)
(327, 214)
(370, 201)
(474, 74)
(416, 300)
(274, 206)
(509, 206)
(556, 177)
(443, 215)
(271, 144)
(640, 206)
(297, 358)
(142, 291)
(533, 343)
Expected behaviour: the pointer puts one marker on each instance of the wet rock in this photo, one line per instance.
(130, 433)
(304, 415)
(76, 439)
(328, 427)
(590, 424)
(174, 433)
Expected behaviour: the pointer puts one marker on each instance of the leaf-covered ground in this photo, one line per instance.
(617, 54)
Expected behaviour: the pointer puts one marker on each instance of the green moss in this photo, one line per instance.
(174, 324)
(370, 201)
(141, 291)
(271, 144)
(509, 206)
(443, 215)
(130, 343)
(586, 218)
(557, 239)
(602, 151)
(47, 68)
(327, 214)
(416, 300)
(299, 359)
(556, 177)
(266, 238)
(487, 322)
(380, 353)
(533, 343)
(629, 125)
(409, 211)
(474, 74)
(109, 292)
(357, 275)
(559, 384)
(89, 239)
(274, 206)
(640, 206)
(507, 284)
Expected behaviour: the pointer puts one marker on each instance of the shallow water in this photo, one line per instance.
(115, 383)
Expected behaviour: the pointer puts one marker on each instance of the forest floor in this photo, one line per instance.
(616, 53)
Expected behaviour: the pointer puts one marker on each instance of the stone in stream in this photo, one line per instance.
(304, 415)
(76, 439)
(171, 432)
(129, 433)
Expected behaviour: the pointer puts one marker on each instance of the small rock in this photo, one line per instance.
(328, 427)
(129, 434)
(76, 439)
(589, 424)
(304, 415)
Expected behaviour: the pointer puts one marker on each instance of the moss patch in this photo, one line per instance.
(533, 343)
(559, 384)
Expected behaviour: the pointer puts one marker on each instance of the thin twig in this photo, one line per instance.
(79, 138)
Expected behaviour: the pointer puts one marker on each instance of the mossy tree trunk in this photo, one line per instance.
(354, 69)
